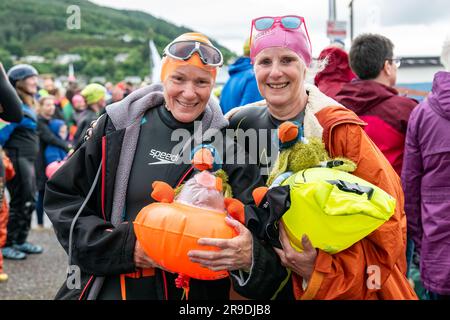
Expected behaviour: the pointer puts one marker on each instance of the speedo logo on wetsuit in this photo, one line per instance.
(163, 157)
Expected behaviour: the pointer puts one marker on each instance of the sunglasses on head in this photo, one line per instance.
(287, 22)
(183, 50)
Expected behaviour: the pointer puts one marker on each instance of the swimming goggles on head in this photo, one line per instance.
(183, 50)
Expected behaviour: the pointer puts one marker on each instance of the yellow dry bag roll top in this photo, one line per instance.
(335, 209)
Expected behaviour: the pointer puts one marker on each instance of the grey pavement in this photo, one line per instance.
(40, 276)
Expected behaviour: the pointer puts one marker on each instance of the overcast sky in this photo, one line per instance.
(417, 27)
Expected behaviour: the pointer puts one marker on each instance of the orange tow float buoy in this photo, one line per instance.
(170, 228)
(168, 231)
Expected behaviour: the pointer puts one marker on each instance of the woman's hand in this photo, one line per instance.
(302, 263)
(141, 260)
(235, 253)
(90, 130)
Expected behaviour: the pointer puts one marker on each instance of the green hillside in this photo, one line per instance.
(39, 27)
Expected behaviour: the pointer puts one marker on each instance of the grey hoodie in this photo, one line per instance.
(127, 114)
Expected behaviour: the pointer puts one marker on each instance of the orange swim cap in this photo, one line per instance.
(170, 64)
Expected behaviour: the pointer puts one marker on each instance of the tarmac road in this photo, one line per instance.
(40, 276)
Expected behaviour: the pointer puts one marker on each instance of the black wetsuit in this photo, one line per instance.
(11, 110)
(258, 119)
(264, 139)
(111, 253)
(154, 161)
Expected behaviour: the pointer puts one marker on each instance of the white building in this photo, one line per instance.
(418, 69)
(121, 57)
(33, 59)
(67, 58)
(98, 79)
(133, 79)
(127, 38)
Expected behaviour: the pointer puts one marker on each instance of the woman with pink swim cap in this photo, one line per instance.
(281, 54)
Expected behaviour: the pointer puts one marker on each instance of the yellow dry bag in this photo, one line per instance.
(335, 209)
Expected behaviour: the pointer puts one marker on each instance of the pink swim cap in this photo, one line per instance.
(77, 98)
(277, 36)
(53, 167)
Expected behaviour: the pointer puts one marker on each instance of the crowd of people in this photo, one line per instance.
(97, 155)
(53, 125)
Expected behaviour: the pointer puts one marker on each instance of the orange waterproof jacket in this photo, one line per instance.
(373, 268)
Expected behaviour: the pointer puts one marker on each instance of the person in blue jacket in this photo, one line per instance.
(54, 152)
(241, 87)
(21, 144)
(10, 110)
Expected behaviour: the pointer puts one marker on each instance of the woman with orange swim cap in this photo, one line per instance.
(136, 143)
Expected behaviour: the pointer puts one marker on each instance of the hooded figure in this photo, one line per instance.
(425, 178)
(52, 152)
(336, 73)
(241, 87)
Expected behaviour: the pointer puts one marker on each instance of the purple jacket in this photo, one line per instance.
(426, 181)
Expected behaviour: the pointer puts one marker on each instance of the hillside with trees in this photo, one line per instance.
(111, 43)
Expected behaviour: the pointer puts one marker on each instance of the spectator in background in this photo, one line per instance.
(336, 73)
(117, 94)
(425, 177)
(55, 152)
(66, 104)
(78, 103)
(10, 110)
(45, 110)
(79, 108)
(338, 43)
(373, 98)
(49, 84)
(129, 88)
(241, 88)
(94, 94)
(20, 141)
(59, 103)
(109, 87)
(49, 88)
(7, 174)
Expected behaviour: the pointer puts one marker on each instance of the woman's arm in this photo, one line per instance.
(256, 271)
(98, 247)
(412, 173)
(47, 136)
(347, 274)
(10, 105)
